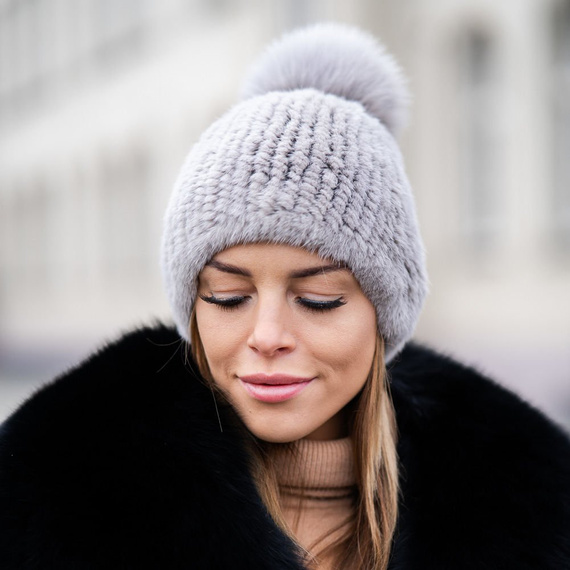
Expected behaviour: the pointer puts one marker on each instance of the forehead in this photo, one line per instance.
(276, 259)
(253, 251)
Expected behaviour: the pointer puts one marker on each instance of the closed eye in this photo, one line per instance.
(225, 302)
(320, 306)
(229, 303)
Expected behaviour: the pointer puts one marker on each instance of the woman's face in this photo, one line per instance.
(288, 336)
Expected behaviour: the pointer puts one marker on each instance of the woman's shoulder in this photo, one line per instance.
(433, 390)
(482, 470)
(137, 376)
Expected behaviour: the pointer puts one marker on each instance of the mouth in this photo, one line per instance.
(275, 387)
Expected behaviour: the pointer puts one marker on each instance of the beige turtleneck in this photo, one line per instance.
(318, 487)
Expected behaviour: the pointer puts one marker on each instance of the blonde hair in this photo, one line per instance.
(367, 541)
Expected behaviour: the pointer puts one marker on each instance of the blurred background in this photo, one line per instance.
(100, 100)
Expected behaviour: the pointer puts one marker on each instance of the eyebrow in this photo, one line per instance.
(321, 269)
(301, 273)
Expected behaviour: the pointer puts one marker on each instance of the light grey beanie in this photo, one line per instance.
(308, 159)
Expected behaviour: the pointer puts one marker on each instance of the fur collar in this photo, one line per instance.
(120, 464)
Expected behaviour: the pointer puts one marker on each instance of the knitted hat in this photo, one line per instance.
(308, 159)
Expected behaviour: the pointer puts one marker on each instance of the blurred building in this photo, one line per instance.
(100, 101)
(489, 158)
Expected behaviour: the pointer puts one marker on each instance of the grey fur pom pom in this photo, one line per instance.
(339, 60)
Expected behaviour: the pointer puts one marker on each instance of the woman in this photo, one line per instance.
(287, 422)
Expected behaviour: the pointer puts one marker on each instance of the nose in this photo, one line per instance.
(271, 333)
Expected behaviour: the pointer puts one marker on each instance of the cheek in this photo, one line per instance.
(348, 347)
(220, 341)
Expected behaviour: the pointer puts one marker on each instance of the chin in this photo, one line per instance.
(273, 435)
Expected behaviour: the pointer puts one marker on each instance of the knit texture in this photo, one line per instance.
(309, 169)
(317, 483)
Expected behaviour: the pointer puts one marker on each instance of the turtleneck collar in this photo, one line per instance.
(322, 470)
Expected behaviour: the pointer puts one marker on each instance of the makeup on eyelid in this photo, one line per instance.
(312, 304)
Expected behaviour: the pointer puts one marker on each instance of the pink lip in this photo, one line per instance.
(275, 387)
(273, 379)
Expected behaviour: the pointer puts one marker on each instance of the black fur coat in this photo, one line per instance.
(120, 465)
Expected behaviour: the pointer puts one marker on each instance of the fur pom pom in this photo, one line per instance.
(339, 60)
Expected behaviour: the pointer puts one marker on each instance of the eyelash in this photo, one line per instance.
(320, 306)
(314, 306)
(225, 304)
